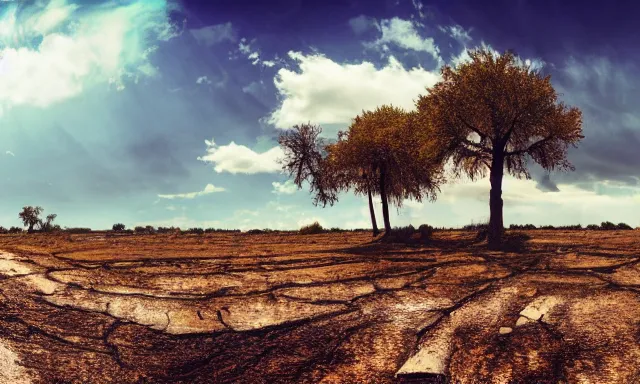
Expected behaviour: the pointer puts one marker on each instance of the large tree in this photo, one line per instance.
(496, 112)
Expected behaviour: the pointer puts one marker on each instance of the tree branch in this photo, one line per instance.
(529, 148)
(471, 127)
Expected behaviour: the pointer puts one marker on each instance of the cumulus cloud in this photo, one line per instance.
(286, 188)
(326, 92)
(234, 158)
(51, 53)
(404, 34)
(208, 189)
(215, 34)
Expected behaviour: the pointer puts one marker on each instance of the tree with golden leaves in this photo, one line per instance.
(495, 113)
(381, 146)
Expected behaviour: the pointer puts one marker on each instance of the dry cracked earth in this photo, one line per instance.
(235, 308)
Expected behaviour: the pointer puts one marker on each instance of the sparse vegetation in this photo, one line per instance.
(77, 230)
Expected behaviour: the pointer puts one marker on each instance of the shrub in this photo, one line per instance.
(255, 231)
(336, 229)
(592, 227)
(607, 226)
(311, 229)
(196, 231)
(426, 231)
(3, 230)
(547, 227)
(15, 230)
(624, 226)
(404, 232)
(118, 227)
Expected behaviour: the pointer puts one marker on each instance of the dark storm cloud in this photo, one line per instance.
(546, 185)
(606, 91)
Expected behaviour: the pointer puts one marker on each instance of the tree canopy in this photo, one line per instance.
(496, 112)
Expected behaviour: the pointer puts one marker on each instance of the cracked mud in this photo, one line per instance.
(334, 308)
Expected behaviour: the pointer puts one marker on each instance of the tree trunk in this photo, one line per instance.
(373, 214)
(496, 225)
(385, 204)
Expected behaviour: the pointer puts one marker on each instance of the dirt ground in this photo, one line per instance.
(332, 308)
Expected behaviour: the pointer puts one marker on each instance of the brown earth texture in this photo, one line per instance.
(553, 307)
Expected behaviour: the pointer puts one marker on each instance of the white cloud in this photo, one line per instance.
(326, 92)
(457, 32)
(244, 47)
(417, 4)
(215, 34)
(234, 158)
(208, 189)
(10, 153)
(286, 188)
(203, 80)
(403, 33)
(362, 23)
(81, 46)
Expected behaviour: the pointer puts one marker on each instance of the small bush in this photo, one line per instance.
(3, 230)
(118, 227)
(255, 231)
(311, 229)
(624, 226)
(547, 227)
(426, 231)
(149, 229)
(196, 231)
(336, 229)
(592, 227)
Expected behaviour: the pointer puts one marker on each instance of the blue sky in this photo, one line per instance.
(167, 113)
